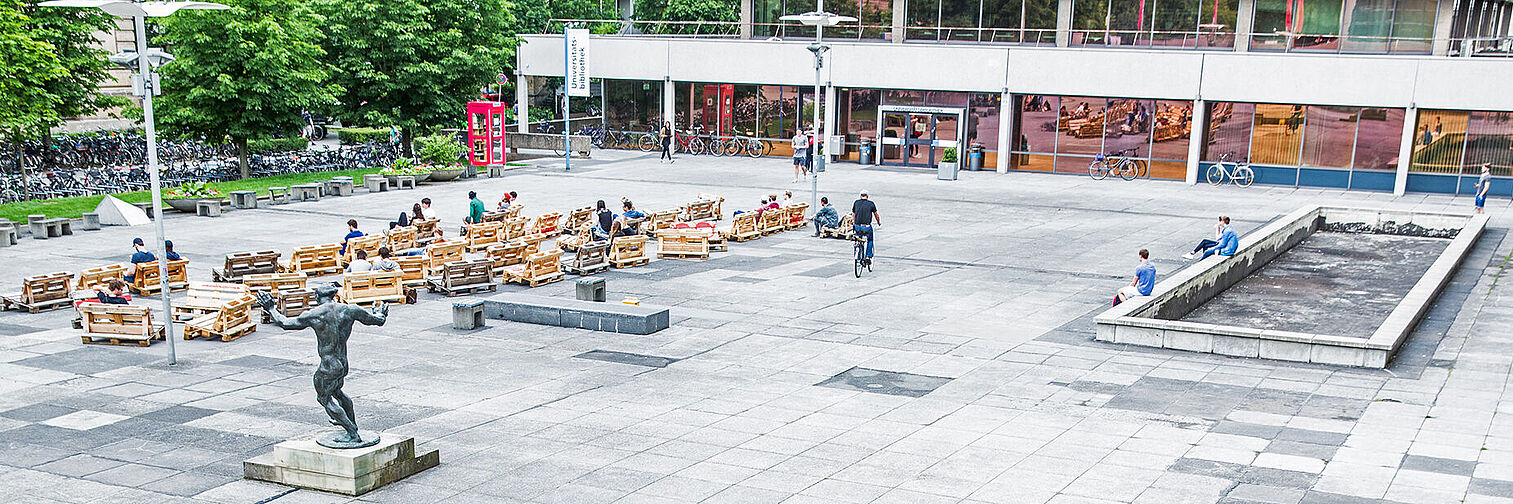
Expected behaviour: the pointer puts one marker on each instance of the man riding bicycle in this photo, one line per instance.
(863, 213)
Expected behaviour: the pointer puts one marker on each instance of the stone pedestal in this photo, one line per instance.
(306, 464)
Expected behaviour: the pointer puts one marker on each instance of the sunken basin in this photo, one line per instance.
(1328, 285)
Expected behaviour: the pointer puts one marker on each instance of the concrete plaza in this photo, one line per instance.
(988, 284)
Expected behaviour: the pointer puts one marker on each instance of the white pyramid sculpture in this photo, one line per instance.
(114, 212)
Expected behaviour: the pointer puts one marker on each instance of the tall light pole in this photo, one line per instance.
(819, 19)
(145, 84)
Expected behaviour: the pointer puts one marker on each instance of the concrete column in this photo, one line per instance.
(1444, 17)
(1405, 151)
(522, 104)
(829, 112)
(669, 109)
(1245, 16)
(1063, 23)
(745, 19)
(899, 8)
(1006, 111)
(1196, 137)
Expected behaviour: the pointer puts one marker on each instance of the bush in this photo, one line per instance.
(277, 145)
(193, 190)
(354, 136)
(438, 150)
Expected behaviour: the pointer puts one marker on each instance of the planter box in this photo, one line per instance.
(187, 205)
(445, 175)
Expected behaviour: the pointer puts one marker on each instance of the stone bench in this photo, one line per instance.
(243, 199)
(306, 192)
(278, 195)
(211, 208)
(404, 182)
(496, 170)
(607, 317)
(8, 234)
(375, 183)
(89, 221)
(338, 187)
(43, 228)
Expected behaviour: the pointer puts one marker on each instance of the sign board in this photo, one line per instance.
(577, 62)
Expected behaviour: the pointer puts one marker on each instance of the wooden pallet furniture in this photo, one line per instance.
(40, 292)
(371, 287)
(772, 221)
(507, 254)
(797, 216)
(742, 227)
(690, 243)
(245, 263)
(547, 224)
(538, 269)
(114, 324)
(439, 254)
(483, 234)
(369, 244)
(314, 260)
(400, 238)
(513, 211)
(412, 270)
(464, 277)
(578, 217)
(425, 231)
(584, 234)
(493, 216)
(145, 279)
(275, 284)
(293, 303)
(716, 239)
(514, 228)
(627, 251)
(533, 242)
(716, 209)
(700, 210)
(102, 275)
(233, 320)
(588, 258)
(659, 220)
(844, 230)
(208, 297)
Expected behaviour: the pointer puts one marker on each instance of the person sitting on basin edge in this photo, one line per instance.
(1227, 244)
(1206, 243)
(1144, 282)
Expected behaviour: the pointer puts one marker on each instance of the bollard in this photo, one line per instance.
(467, 315)
(591, 290)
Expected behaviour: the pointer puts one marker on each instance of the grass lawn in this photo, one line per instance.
(73, 207)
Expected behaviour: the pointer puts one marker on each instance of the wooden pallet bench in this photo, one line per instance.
(464, 277)
(538, 269)
(208, 297)
(275, 283)
(588, 258)
(689, 243)
(314, 260)
(102, 275)
(113, 324)
(547, 224)
(742, 227)
(701, 210)
(412, 270)
(242, 264)
(369, 244)
(292, 303)
(507, 254)
(426, 230)
(659, 220)
(439, 254)
(145, 279)
(233, 320)
(628, 251)
(844, 230)
(797, 216)
(40, 293)
(479, 236)
(772, 221)
(514, 228)
(400, 238)
(371, 287)
(578, 217)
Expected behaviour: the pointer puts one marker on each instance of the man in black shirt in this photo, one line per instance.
(863, 213)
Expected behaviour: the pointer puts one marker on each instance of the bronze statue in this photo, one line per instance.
(332, 323)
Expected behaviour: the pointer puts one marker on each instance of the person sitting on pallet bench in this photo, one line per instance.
(605, 220)
(475, 212)
(384, 263)
(168, 251)
(630, 219)
(404, 220)
(352, 232)
(506, 200)
(826, 217)
(140, 256)
(360, 264)
(112, 293)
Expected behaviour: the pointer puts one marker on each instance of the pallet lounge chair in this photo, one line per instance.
(89, 278)
(464, 277)
(797, 216)
(145, 279)
(40, 293)
(507, 254)
(716, 239)
(772, 221)
(533, 242)
(369, 244)
(233, 320)
(513, 211)
(547, 224)
(208, 297)
(578, 217)
(242, 264)
(844, 230)
(514, 228)
(493, 216)
(114, 324)
(371, 287)
(412, 270)
(588, 258)
(627, 251)
(584, 234)
(400, 238)
(439, 254)
(538, 269)
(275, 284)
(700, 210)
(743, 227)
(659, 220)
(425, 231)
(716, 206)
(483, 234)
(314, 260)
(293, 303)
(690, 243)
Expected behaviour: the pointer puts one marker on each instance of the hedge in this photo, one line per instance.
(277, 145)
(353, 136)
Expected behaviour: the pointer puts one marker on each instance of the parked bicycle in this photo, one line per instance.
(1228, 169)
(1118, 163)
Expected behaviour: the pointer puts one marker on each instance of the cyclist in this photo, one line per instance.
(863, 214)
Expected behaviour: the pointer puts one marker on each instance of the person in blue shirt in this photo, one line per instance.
(352, 232)
(168, 251)
(140, 255)
(826, 217)
(1206, 244)
(1229, 241)
(1144, 282)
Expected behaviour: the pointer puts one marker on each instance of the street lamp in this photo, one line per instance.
(819, 19)
(145, 84)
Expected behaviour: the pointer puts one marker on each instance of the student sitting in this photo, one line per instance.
(384, 263)
(140, 255)
(360, 264)
(352, 232)
(826, 217)
(113, 292)
(168, 251)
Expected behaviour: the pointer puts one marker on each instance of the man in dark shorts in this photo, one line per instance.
(863, 214)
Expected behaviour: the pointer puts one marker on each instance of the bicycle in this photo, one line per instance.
(1115, 163)
(862, 261)
(1238, 173)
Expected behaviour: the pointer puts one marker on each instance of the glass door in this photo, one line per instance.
(895, 129)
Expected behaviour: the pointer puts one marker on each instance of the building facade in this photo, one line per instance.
(1377, 95)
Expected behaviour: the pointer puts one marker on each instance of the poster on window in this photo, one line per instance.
(577, 62)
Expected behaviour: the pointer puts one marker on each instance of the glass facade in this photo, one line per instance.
(632, 105)
(1308, 145)
(1015, 21)
(1450, 146)
(1154, 23)
(1065, 133)
(1357, 26)
(874, 19)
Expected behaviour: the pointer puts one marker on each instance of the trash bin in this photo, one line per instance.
(974, 157)
(946, 171)
(864, 155)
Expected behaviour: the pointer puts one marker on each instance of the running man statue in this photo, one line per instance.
(332, 323)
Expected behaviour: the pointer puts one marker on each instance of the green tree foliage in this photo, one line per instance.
(688, 10)
(415, 63)
(244, 73)
(71, 33)
(27, 66)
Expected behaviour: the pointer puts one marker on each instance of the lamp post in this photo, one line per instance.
(819, 19)
(145, 84)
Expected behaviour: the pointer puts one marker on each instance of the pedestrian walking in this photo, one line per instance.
(665, 135)
(1483, 183)
(800, 148)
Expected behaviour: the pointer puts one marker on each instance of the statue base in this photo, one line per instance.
(334, 439)
(351, 471)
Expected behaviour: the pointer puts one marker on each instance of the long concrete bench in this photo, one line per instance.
(607, 317)
(582, 144)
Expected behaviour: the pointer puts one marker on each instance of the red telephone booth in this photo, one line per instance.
(719, 101)
(486, 132)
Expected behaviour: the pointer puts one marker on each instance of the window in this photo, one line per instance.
(1329, 136)
(1172, 125)
(1489, 136)
(1378, 137)
(1276, 134)
(1229, 125)
(1439, 141)
(1160, 23)
(1081, 122)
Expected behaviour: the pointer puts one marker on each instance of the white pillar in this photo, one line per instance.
(745, 20)
(1244, 18)
(1444, 17)
(1405, 150)
(522, 104)
(1006, 111)
(1196, 136)
(830, 101)
(1063, 23)
(669, 109)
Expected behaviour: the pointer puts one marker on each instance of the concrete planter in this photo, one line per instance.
(445, 175)
(187, 204)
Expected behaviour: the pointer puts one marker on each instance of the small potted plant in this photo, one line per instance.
(184, 198)
(947, 167)
(442, 153)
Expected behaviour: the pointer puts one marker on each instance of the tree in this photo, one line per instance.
(244, 73)
(415, 63)
(71, 33)
(26, 68)
(687, 10)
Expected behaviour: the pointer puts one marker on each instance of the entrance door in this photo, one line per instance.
(917, 136)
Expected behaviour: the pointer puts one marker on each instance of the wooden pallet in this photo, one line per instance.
(14, 300)
(630, 263)
(231, 336)
(457, 291)
(682, 255)
(543, 281)
(102, 340)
